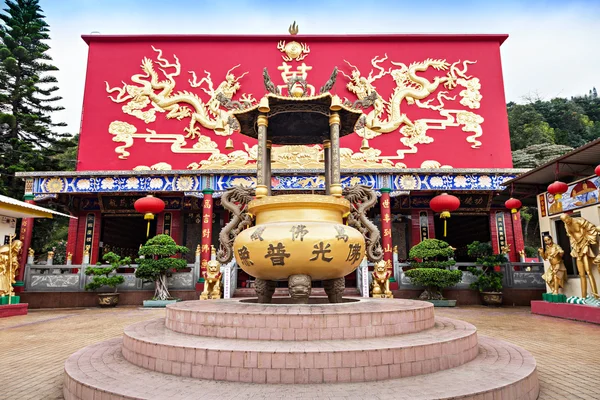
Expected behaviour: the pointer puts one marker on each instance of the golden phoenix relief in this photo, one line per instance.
(150, 94)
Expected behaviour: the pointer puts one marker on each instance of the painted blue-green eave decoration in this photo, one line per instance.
(165, 182)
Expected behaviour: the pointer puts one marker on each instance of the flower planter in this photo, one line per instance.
(158, 303)
(443, 303)
(108, 299)
(491, 298)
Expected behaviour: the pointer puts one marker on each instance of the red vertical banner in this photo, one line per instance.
(95, 255)
(207, 212)
(386, 228)
(25, 236)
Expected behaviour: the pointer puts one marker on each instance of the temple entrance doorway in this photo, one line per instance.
(124, 235)
(463, 230)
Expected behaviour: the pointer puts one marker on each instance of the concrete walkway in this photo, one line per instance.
(33, 348)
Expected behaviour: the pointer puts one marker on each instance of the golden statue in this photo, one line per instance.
(9, 263)
(380, 287)
(212, 281)
(556, 275)
(582, 235)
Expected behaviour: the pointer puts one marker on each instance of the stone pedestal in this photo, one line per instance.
(272, 350)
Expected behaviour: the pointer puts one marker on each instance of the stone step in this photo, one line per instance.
(283, 292)
(362, 318)
(500, 371)
(151, 345)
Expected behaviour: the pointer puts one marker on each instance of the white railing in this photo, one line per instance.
(363, 278)
(229, 279)
(72, 278)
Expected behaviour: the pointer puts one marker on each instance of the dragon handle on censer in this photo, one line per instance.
(299, 238)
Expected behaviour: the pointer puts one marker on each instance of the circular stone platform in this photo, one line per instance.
(440, 358)
(237, 319)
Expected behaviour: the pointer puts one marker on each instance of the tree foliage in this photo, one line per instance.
(28, 141)
(541, 130)
(157, 262)
(432, 251)
(106, 275)
(27, 90)
(487, 280)
(430, 258)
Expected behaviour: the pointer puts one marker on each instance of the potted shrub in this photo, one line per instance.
(430, 261)
(106, 275)
(488, 281)
(156, 264)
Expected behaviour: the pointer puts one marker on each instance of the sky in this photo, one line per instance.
(552, 50)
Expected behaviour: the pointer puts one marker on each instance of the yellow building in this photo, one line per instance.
(581, 199)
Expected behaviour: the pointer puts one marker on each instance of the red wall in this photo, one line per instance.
(116, 59)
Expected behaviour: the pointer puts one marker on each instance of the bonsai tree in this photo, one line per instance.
(157, 262)
(430, 260)
(102, 274)
(487, 280)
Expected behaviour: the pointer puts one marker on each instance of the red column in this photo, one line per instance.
(386, 227)
(207, 212)
(72, 237)
(519, 242)
(505, 229)
(25, 237)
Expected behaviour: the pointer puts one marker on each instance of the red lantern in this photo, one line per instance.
(557, 189)
(513, 205)
(597, 170)
(444, 204)
(149, 206)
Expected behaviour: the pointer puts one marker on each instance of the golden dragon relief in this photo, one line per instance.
(152, 92)
(149, 95)
(410, 89)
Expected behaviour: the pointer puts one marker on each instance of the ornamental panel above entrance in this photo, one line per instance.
(179, 182)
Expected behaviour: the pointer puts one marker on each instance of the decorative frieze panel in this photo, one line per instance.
(447, 180)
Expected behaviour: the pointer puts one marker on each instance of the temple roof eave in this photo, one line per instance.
(304, 171)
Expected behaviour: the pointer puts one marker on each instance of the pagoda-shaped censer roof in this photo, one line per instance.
(297, 119)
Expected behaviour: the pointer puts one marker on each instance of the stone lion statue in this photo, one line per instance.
(212, 281)
(380, 287)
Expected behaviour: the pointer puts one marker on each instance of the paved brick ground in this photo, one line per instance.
(33, 348)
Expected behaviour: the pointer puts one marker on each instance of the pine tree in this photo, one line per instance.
(26, 88)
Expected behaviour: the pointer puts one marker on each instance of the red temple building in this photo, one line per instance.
(152, 123)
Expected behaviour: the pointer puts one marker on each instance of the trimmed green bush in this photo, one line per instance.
(435, 277)
(430, 260)
(487, 279)
(158, 262)
(102, 274)
(531, 251)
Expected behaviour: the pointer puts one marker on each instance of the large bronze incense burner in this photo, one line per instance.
(299, 238)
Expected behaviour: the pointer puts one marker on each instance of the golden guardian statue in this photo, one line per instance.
(9, 263)
(556, 275)
(582, 235)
